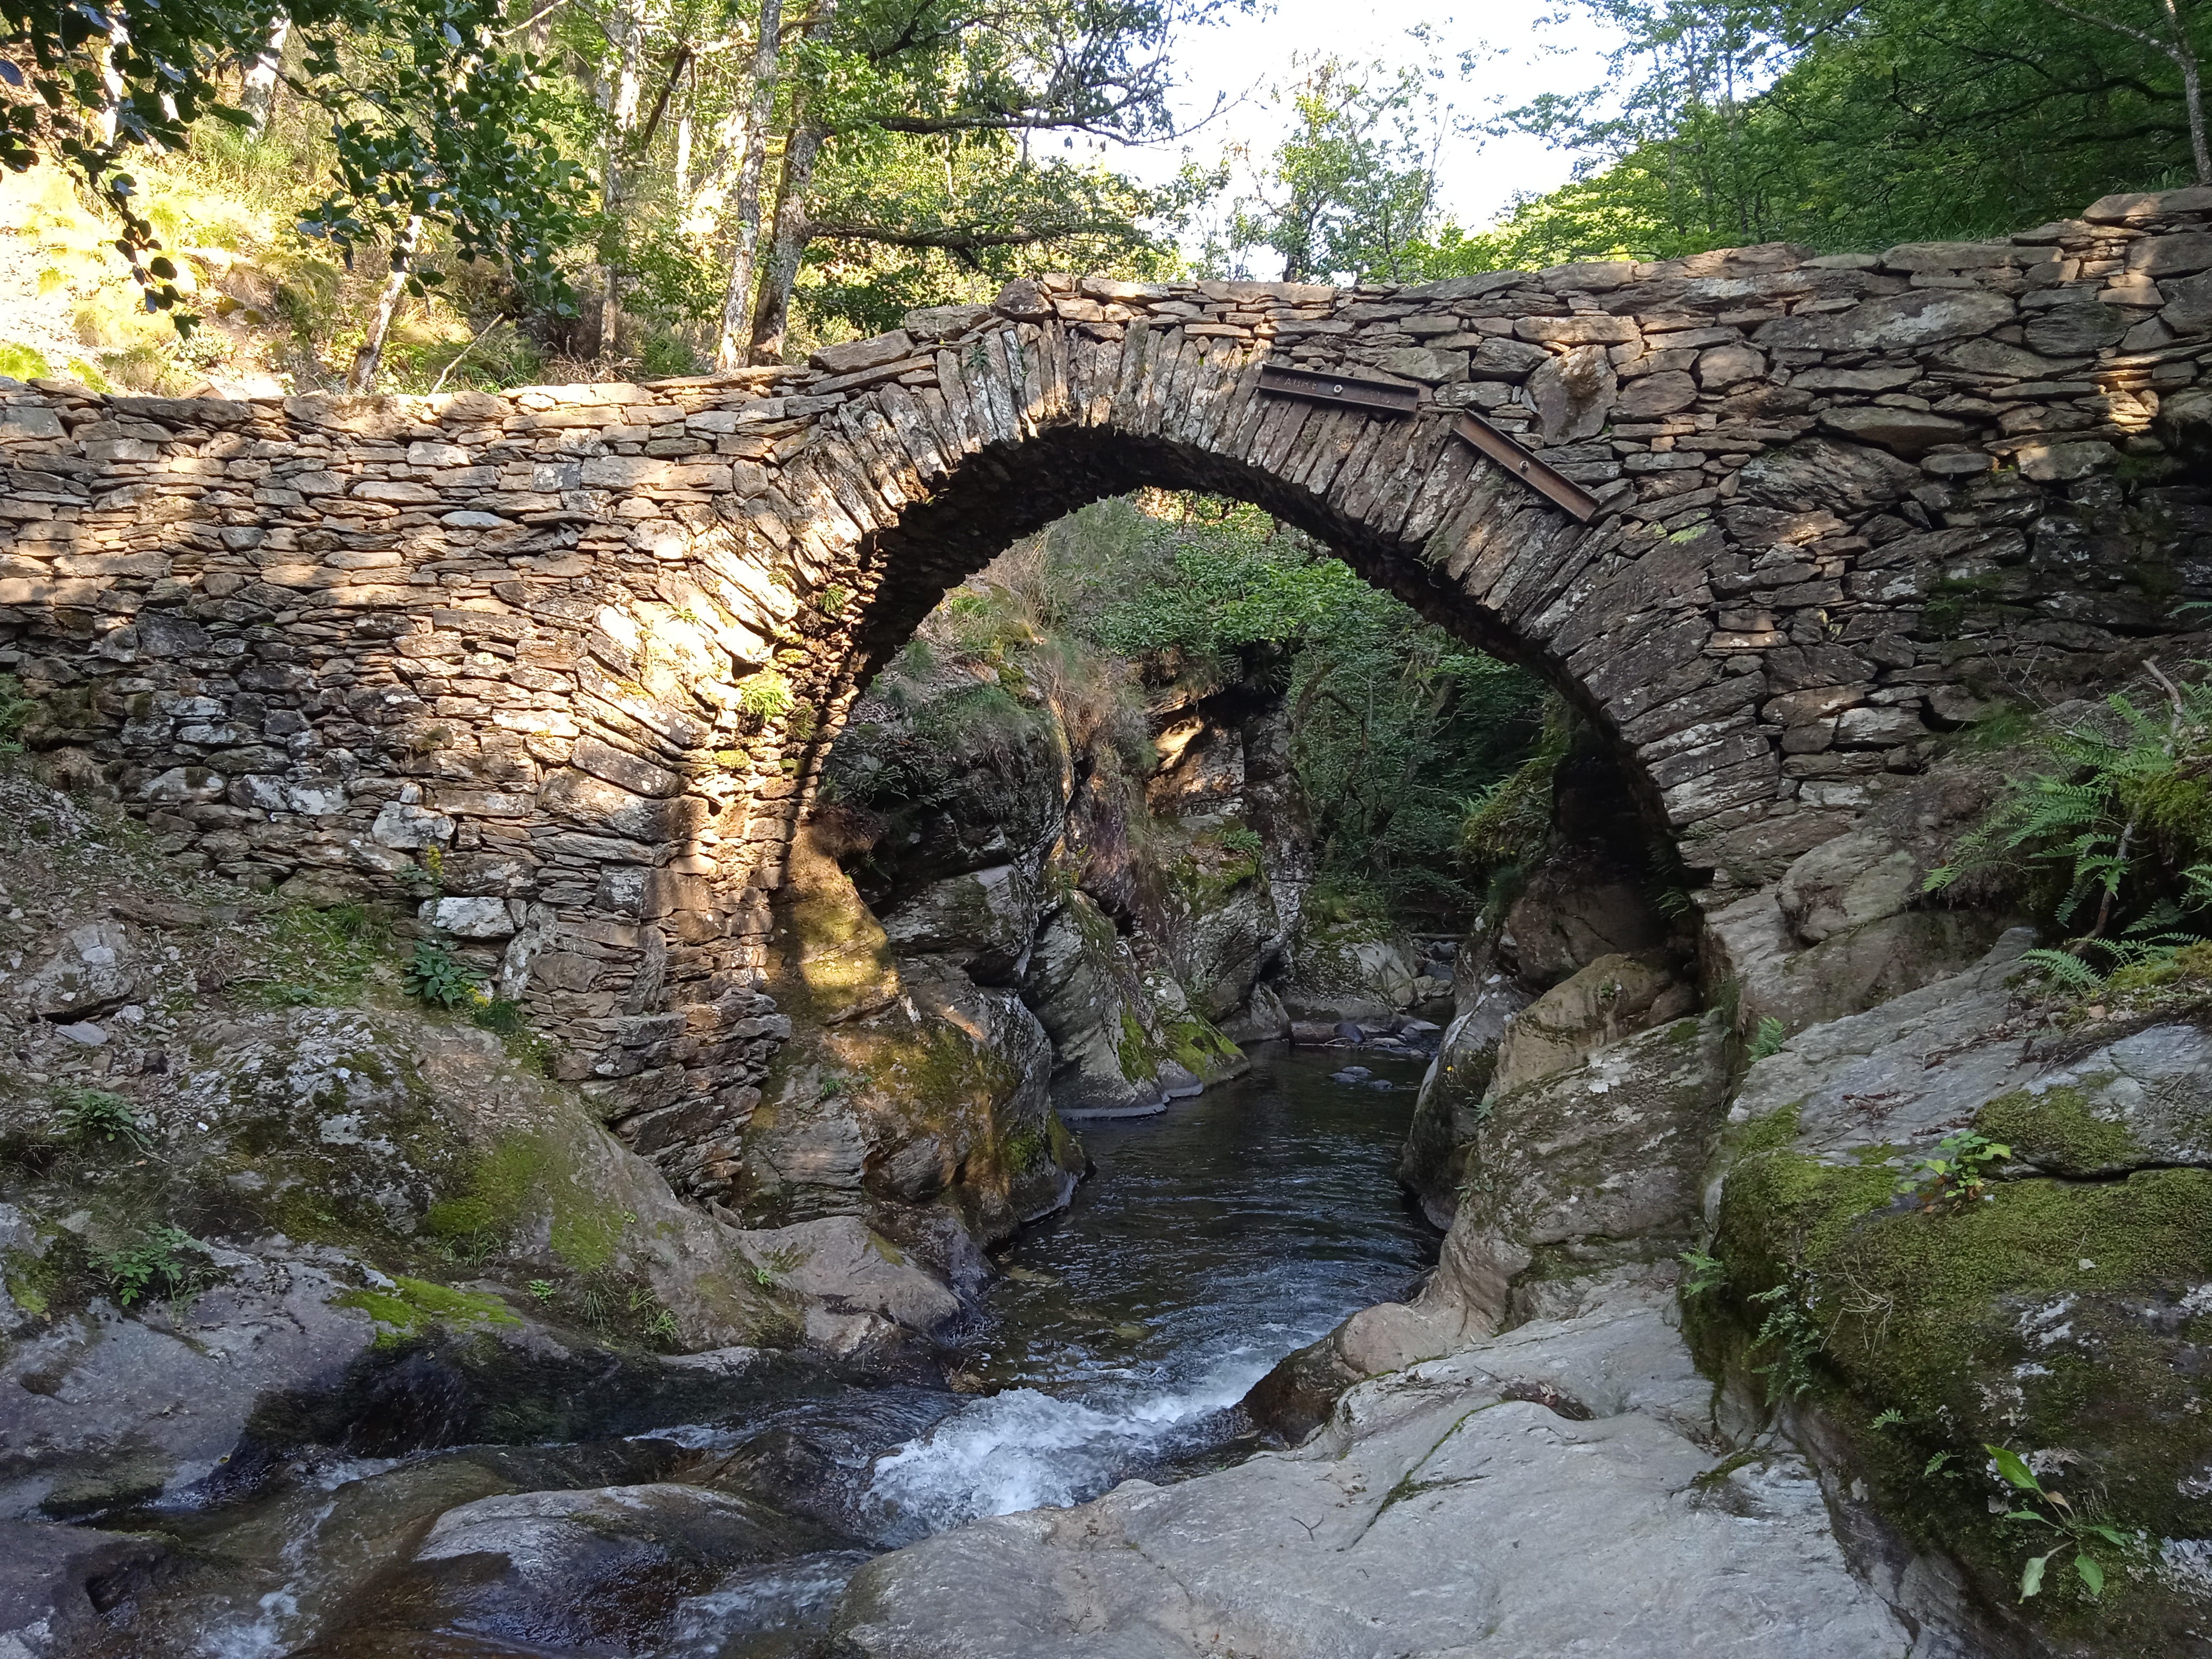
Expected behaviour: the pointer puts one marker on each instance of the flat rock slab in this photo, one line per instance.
(1927, 1063)
(1539, 1495)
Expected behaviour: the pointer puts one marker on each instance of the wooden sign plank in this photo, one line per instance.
(1562, 492)
(1319, 386)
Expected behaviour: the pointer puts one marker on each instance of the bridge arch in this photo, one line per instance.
(589, 644)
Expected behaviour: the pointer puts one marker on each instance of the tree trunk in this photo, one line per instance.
(369, 356)
(2192, 92)
(258, 95)
(773, 318)
(621, 98)
(772, 315)
(734, 347)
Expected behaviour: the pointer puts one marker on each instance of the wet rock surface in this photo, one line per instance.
(1427, 1517)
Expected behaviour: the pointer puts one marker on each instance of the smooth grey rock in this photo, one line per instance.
(1890, 1055)
(983, 919)
(57, 1583)
(1532, 1496)
(1847, 883)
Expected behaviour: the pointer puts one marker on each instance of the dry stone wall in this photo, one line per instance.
(558, 665)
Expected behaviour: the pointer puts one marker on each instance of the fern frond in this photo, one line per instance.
(2064, 969)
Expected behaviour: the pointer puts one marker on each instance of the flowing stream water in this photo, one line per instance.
(1211, 1242)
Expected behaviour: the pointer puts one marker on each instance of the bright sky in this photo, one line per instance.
(1515, 57)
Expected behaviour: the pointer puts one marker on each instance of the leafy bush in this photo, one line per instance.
(86, 1115)
(167, 1262)
(437, 978)
(1958, 1175)
(2117, 832)
(2074, 1530)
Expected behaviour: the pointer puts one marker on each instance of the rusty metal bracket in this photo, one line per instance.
(1546, 481)
(1377, 396)
(1385, 398)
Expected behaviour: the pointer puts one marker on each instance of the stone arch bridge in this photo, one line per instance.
(581, 649)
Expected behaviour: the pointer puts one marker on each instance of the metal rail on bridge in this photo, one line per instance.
(1386, 398)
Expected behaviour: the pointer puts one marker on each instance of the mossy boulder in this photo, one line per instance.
(2062, 1309)
(905, 1086)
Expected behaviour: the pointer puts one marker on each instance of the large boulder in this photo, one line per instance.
(982, 921)
(2054, 1309)
(905, 1088)
(1589, 1164)
(1847, 927)
(1554, 1490)
(601, 1569)
(1449, 1109)
(1083, 982)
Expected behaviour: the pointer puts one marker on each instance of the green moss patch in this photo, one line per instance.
(2056, 1130)
(415, 1307)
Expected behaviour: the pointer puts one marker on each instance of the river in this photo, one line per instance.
(1209, 1241)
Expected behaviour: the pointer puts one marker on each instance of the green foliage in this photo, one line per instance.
(2055, 1512)
(22, 362)
(1768, 1039)
(1706, 1272)
(1348, 195)
(310, 955)
(84, 1116)
(1959, 1173)
(1793, 1337)
(1505, 825)
(15, 712)
(436, 977)
(167, 1262)
(2123, 820)
(1724, 126)
(765, 696)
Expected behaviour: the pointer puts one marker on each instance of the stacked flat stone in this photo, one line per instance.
(558, 664)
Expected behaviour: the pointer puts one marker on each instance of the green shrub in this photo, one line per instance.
(1958, 1175)
(167, 1262)
(22, 364)
(2116, 831)
(437, 978)
(84, 1116)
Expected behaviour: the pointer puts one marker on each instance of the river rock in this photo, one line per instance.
(1554, 1490)
(1084, 984)
(601, 1569)
(982, 921)
(60, 1585)
(2053, 1315)
(1612, 998)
